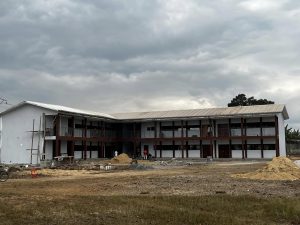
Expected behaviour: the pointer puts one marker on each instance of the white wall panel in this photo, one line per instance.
(269, 154)
(237, 154)
(167, 153)
(77, 154)
(178, 154)
(253, 154)
(94, 154)
(281, 129)
(194, 153)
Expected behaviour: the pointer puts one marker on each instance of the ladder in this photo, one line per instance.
(35, 151)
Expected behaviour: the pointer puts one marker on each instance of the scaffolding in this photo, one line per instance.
(35, 151)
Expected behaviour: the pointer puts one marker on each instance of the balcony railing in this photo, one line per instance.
(222, 132)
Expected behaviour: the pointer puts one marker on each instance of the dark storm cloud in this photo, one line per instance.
(117, 55)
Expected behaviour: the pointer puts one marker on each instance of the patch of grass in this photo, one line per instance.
(177, 210)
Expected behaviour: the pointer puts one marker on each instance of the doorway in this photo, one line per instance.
(206, 151)
(224, 151)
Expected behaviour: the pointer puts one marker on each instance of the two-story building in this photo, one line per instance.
(32, 131)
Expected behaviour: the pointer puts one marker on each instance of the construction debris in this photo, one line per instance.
(280, 168)
(121, 159)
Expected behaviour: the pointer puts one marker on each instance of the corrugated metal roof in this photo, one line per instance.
(211, 112)
(60, 108)
(198, 113)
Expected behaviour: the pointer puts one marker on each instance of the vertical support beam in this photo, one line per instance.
(276, 137)
(242, 138)
(230, 140)
(44, 134)
(91, 150)
(160, 148)
(210, 139)
(246, 148)
(200, 128)
(200, 133)
(98, 143)
(214, 136)
(261, 138)
(103, 138)
(73, 134)
(73, 126)
(134, 140)
(186, 143)
(173, 135)
(215, 148)
(57, 139)
(155, 137)
(245, 132)
(99, 149)
(160, 142)
(85, 138)
(201, 149)
(181, 140)
(187, 149)
(72, 148)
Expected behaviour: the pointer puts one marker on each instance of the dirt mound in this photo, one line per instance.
(280, 168)
(121, 159)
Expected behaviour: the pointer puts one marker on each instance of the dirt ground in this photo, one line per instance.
(190, 180)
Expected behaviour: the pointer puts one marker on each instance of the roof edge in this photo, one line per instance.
(14, 107)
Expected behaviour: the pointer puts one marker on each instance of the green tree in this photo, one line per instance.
(242, 100)
(291, 134)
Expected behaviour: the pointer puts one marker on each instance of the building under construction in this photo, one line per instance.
(32, 131)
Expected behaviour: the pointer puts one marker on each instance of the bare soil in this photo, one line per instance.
(167, 194)
(193, 180)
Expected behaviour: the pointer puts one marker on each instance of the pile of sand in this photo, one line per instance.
(121, 159)
(280, 168)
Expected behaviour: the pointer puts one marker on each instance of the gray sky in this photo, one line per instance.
(137, 55)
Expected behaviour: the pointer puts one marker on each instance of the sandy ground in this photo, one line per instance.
(195, 180)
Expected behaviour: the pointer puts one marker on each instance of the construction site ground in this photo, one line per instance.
(157, 192)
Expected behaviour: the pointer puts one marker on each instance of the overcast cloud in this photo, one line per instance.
(138, 55)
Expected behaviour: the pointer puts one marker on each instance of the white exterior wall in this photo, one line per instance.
(237, 154)
(77, 154)
(15, 136)
(194, 153)
(269, 154)
(0, 137)
(253, 154)
(281, 129)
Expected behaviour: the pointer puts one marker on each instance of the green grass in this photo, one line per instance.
(177, 210)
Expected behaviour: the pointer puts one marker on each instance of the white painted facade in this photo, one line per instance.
(15, 136)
